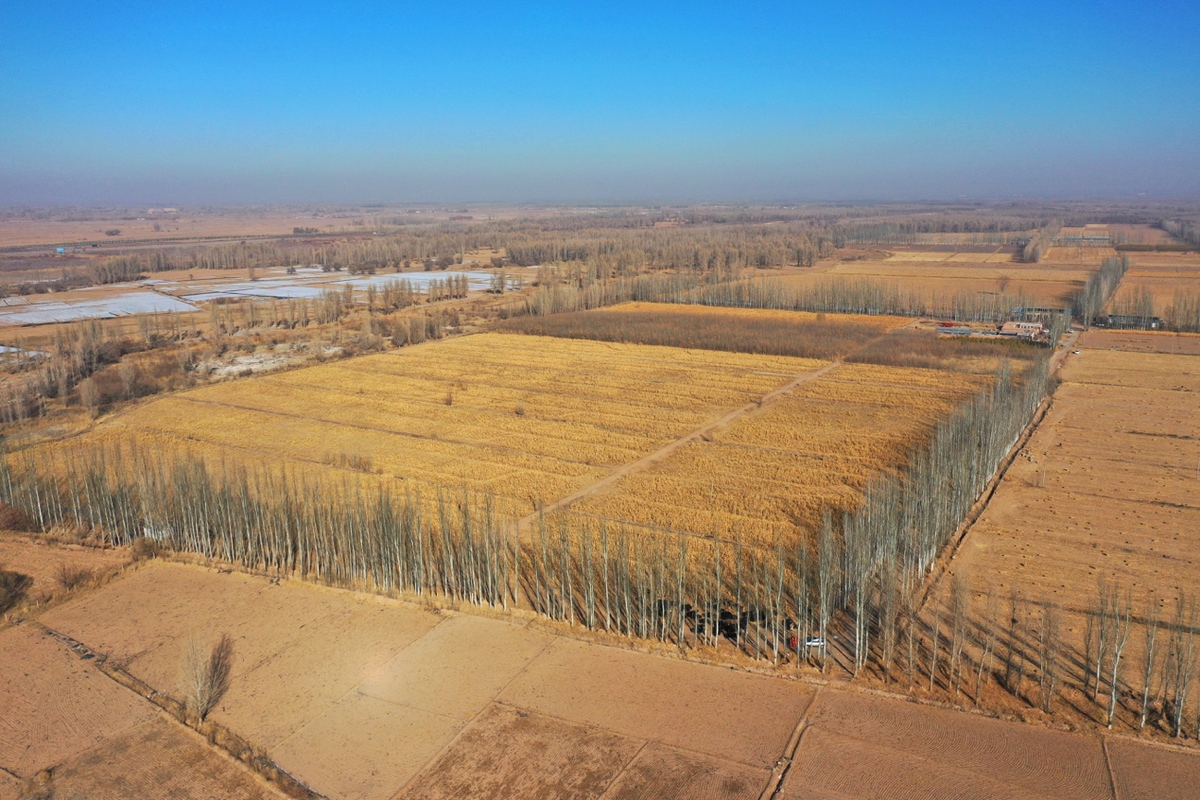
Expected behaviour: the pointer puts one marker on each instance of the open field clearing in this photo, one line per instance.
(154, 760)
(526, 418)
(773, 473)
(1068, 255)
(1107, 485)
(447, 705)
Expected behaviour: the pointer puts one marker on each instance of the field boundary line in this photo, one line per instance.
(784, 764)
(597, 726)
(354, 689)
(946, 558)
(699, 434)
(1112, 777)
(624, 768)
(221, 738)
(458, 735)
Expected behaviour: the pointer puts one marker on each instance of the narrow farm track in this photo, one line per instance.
(662, 453)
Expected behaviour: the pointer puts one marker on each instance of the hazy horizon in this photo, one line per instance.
(670, 103)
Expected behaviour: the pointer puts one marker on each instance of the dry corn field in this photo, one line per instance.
(773, 473)
(526, 419)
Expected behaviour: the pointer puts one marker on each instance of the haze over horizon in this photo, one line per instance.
(262, 103)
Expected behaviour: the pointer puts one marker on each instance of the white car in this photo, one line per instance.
(814, 641)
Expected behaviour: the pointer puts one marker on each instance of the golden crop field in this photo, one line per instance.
(772, 473)
(527, 419)
(944, 274)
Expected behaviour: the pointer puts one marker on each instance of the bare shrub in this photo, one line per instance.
(144, 548)
(14, 519)
(13, 586)
(70, 576)
(206, 679)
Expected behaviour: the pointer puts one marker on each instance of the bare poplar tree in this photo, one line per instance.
(206, 680)
(1122, 613)
(1103, 624)
(986, 640)
(1013, 655)
(1179, 665)
(960, 597)
(826, 579)
(1048, 654)
(1149, 654)
(935, 645)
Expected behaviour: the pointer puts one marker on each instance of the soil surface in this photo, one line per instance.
(43, 562)
(370, 698)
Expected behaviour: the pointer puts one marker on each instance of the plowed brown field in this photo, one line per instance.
(467, 706)
(1107, 486)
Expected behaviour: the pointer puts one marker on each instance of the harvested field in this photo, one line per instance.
(730, 715)
(924, 348)
(158, 760)
(1147, 772)
(790, 333)
(526, 418)
(280, 633)
(513, 712)
(400, 689)
(1107, 486)
(664, 773)
(55, 706)
(935, 274)
(507, 753)
(775, 472)
(869, 747)
(1187, 344)
(1166, 285)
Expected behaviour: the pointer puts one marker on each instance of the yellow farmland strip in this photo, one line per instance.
(812, 451)
(525, 419)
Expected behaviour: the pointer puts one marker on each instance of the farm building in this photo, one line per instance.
(1132, 321)
(1025, 330)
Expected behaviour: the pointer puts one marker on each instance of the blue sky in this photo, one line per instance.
(587, 102)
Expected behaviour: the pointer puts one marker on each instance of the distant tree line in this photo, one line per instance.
(1040, 243)
(1186, 230)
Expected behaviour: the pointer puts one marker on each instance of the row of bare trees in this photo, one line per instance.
(1101, 284)
(1040, 242)
(859, 565)
(861, 296)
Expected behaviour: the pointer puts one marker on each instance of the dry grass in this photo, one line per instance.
(532, 419)
(71, 576)
(927, 349)
(773, 473)
(13, 587)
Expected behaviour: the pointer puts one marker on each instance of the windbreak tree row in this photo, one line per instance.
(861, 572)
(861, 296)
(1101, 284)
